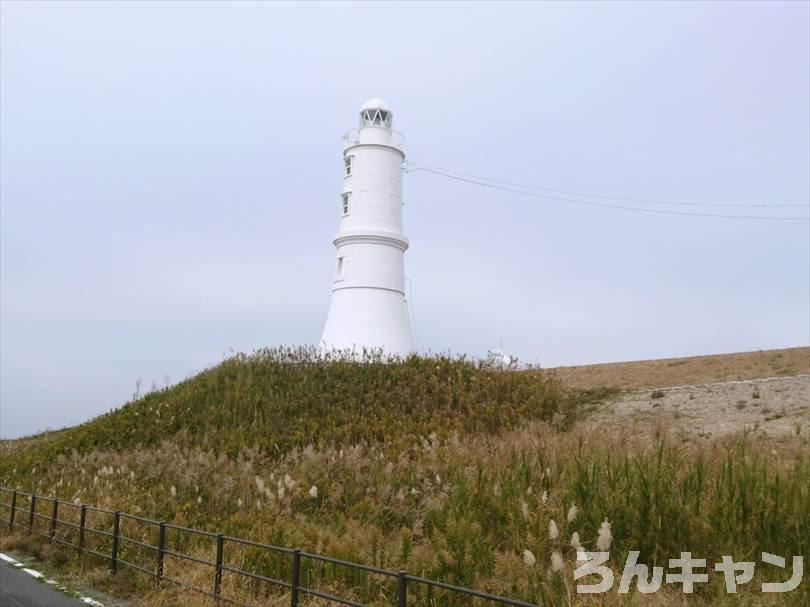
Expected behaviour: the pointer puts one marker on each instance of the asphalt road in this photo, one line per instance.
(20, 589)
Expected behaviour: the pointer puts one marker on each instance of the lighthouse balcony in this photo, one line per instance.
(374, 135)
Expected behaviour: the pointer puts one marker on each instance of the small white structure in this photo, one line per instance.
(369, 309)
(496, 357)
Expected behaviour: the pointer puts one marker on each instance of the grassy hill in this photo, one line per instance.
(445, 467)
(276, 400)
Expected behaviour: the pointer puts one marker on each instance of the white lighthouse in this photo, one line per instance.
(369, 309)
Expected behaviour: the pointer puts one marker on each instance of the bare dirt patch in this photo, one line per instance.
(776, 408)
(688, 371)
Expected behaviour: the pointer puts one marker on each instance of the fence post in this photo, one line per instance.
(402, 590)
(13, 510)
(296, 575)
(218, 574)
(31, 513)
(54, 512)
(160, 551)
(116, 528)
(82, 517)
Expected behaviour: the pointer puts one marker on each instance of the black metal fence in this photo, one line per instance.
(156, 549)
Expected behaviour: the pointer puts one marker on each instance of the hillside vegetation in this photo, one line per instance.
(275, 400)
(634, 375)
(447, 468)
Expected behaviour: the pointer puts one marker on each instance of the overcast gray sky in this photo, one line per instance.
(171, 172)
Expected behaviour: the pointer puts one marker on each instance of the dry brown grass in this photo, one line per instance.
(451, 504)
(463, 509)
(687, 371)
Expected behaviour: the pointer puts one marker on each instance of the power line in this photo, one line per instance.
(493, 186)
(606, 196)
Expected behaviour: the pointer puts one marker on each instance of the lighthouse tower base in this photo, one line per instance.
(368, 320)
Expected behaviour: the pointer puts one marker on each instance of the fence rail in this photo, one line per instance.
(113, 544)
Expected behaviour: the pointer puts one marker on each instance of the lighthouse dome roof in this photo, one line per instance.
(375, 103)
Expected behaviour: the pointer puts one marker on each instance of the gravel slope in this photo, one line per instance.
(765, 407)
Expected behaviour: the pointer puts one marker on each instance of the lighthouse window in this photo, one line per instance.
(340, 266)
(347, 163)
(346, 196)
